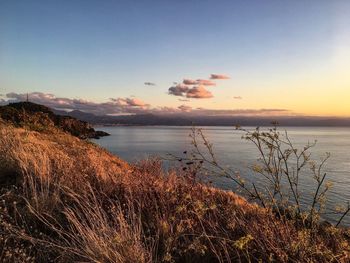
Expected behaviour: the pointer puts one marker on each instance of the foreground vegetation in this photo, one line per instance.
(67, 200)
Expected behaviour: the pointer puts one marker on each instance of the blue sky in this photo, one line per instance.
(96, 50)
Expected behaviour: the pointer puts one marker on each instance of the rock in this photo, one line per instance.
(99, 134)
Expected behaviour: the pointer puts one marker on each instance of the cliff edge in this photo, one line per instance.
(40, 118)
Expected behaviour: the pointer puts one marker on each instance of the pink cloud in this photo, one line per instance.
(113, 106)
(118, 106)
(178, 90)
(199, 92)
(134, 102)
(190, 82)
(206, 82)
(219, 76)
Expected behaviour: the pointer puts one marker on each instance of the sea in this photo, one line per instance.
(134, 143)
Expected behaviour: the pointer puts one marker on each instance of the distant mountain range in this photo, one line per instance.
(184, 120)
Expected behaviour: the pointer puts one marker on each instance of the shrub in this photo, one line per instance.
(280, 164)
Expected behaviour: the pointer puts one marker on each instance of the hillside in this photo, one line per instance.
(67, 200)
(38, 117)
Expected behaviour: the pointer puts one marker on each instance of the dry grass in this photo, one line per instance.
(66, 200)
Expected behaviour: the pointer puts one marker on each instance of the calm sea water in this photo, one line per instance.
(134, 143)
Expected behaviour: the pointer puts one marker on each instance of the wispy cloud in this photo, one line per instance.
(219, 76)
(113, 106)
(239, 112)
(189, 82)
(116, 106)
(206, 82)
(150, 84)
(185, 108)
(237, 97)
(134, 102)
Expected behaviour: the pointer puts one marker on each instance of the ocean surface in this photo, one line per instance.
(136, 142)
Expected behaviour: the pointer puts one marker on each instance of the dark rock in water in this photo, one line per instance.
(99, 134)
(40, 118)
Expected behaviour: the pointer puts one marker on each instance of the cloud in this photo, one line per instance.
(113, 106)
(199, 92)
(185, 108)
(184, 100)
(150, 84)
(239, 112)
(237, 97)
(133, 102)
(219, 76)
(196, 92)
(136, 102)
(122, 106)
(190, 82)
(178, 90)
(205, 82)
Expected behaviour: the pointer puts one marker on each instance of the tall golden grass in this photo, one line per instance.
(67, 200)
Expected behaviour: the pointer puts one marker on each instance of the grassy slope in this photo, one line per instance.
(40, 118)
(67, 200)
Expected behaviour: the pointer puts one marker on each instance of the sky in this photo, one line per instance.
(215, 57)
